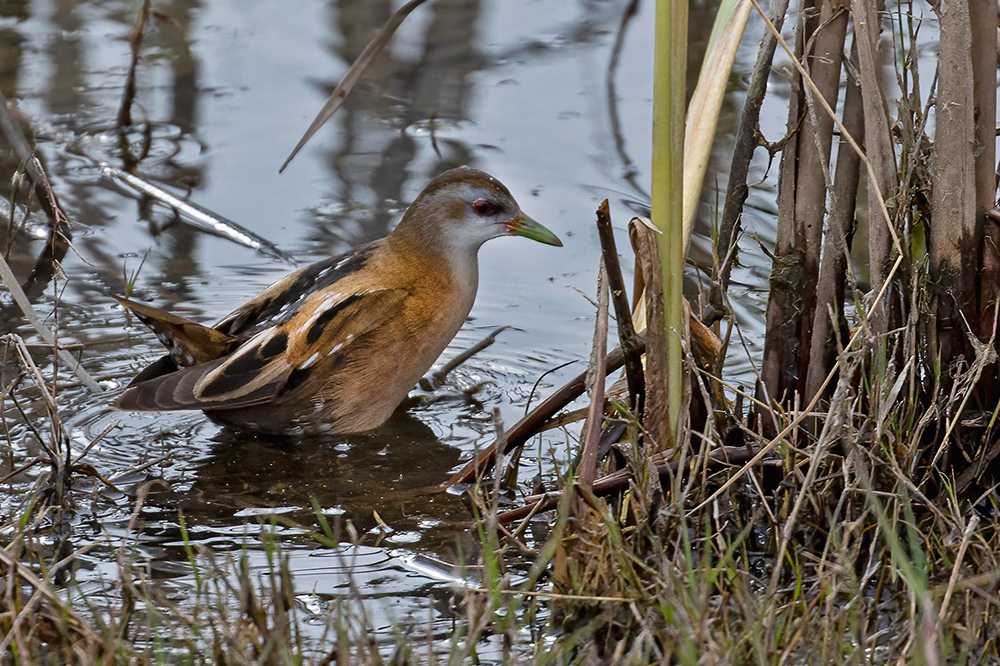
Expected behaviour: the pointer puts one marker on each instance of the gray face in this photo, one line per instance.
(473, 213)
(463, 208)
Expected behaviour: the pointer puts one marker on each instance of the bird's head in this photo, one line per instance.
(464, 207)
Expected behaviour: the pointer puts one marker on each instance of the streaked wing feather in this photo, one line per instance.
(258, 370)
(176, 391)
(281, 301)
(323, 332)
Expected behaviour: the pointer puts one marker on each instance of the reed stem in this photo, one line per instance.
(669, 88)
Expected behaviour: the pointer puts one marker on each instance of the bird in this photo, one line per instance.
(336, 347)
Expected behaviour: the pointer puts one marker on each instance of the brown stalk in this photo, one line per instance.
(654, 416)
(954, 237)
(828, 319)
(524, 429)
(780, 361)
(984, 69)
(865, 322)
(135, 43)
(623, 315)
(879, 148)
(596, 375)
(343, 89)
(802, 192)
(845, 135)
(739, 169)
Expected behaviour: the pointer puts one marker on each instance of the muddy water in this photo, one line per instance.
(225, 88)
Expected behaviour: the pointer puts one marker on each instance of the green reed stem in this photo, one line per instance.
(668, 180)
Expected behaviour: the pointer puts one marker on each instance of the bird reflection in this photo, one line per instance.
(392, 470)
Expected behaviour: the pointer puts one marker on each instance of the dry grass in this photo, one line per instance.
(846, 555)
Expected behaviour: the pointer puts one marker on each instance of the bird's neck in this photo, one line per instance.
(437, 259)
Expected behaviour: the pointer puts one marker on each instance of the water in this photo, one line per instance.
(225, 88)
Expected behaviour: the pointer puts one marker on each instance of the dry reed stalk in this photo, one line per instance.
(802, 193)
(883, 213)
(60, 233)
(7, 277)
(24, 151)
(656, 408)
(984, 69)
(880, 151)
(828, 319)
(346, 85)
(524, 429)
(721, 457)
(627, 338)
(955, 241)
(58, 608)
(596, 377)
(744, 146)
(702, 116)
(577, 558)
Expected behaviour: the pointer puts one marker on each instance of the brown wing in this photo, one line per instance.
(281, 301)
(274, 361)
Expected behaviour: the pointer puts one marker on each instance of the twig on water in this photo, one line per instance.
(437, 378)
(58, 241)
(135, 42)
(521, 431)
(143, 467)
(723, 456)
(193, 214)
(343, 89)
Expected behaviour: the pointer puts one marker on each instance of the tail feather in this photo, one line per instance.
(188, 343)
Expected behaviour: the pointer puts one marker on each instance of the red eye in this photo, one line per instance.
(483, 207)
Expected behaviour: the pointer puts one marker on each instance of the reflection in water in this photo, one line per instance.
(629, 170)
(433, 87)
(391, 470)
(184, 67)
(179, 266)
